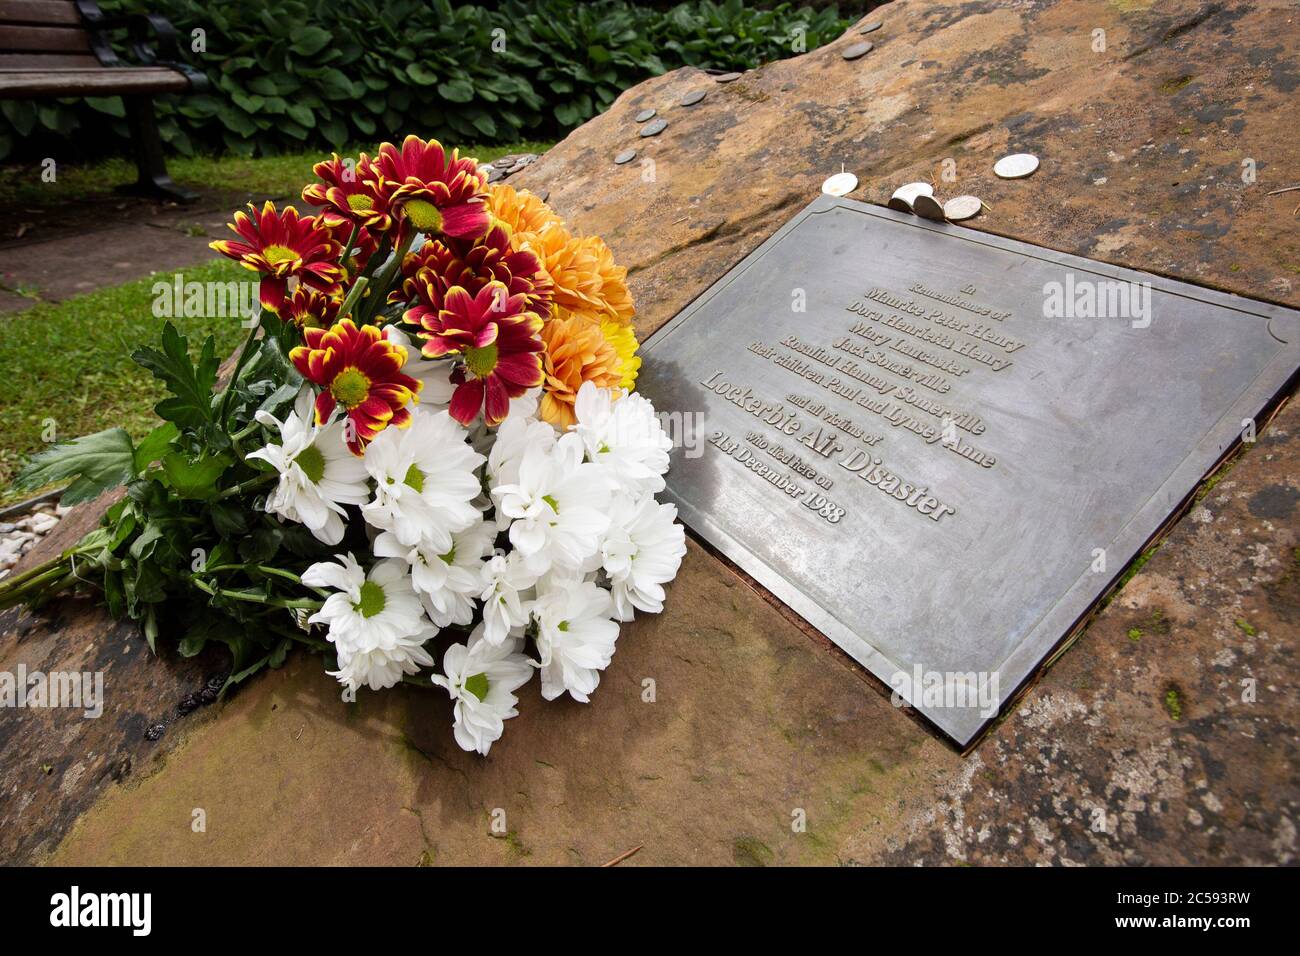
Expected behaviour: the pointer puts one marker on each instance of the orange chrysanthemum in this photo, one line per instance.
(582, 273)
(576, 352)
(614, 294)
(522, 211)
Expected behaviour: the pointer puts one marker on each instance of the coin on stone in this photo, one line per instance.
(841, 184)
(654, 127)
(927, 207)
(904, 196)
(625, 157)
(726, 77)
(856, 50)
(962, 207)
(644, 116)
(1016, 166)
(693, 97)
(871, 27)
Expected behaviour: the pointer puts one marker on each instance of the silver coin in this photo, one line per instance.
(856, 50)
(625, 157)
(1016, 166)
(841, 184)
(726, 77)
(693, 97)
(654, 127)
(644, 116)
(871, 27)
(962, 207)
(927, 207)
(904, 196)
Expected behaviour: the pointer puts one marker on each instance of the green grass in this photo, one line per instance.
(267, 175)
(71, 362)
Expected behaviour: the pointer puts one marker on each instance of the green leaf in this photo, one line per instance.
(98, 462)
(154, 445)
(190, 384)
(421, 74)
(311, 40)
(458, 90)
(301, 114)
(194, 477)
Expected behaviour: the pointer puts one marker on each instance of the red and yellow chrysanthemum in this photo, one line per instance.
(281, 246)
(430, 192)
(349, 190)
(360, 370)
(441, 265)
(497, 342)
(309, 309)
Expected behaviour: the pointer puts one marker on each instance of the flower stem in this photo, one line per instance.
(251, 483)
(354, 293)
(385, 279)
(352, 241)
(42, 581)
(245, 353)
(204, 586)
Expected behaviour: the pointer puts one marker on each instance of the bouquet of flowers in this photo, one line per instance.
(427, 444)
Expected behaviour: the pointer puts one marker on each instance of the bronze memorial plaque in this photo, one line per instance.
(940, 447)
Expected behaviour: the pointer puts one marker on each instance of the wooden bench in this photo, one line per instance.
(57, 48)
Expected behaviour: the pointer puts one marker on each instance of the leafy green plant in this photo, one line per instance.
(323, 73)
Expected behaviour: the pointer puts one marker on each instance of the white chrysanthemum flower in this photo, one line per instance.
(641, 553)
(556, 506)
(447, 583)
(575, 636)
(434, 373)
(368, 610)
(514, 437)
(318, 475)
(622, 432)
(505, 581)
(482, 679)
(425, 481)
(383, 665)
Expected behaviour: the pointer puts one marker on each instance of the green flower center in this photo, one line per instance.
(350, 387)
(477, 685)
(372, 599)
(312, 463)
(277, 255)
(358, 202)
(424, 215)
(450, 556)
(481, 362)
(555, 505)
(414, 478)
(564, 626)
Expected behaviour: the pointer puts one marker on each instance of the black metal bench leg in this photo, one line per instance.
(154, 181)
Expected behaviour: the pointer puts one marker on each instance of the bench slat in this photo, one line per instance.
(44, 39)
(94, 82)
(61, 12)
(35, 62)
